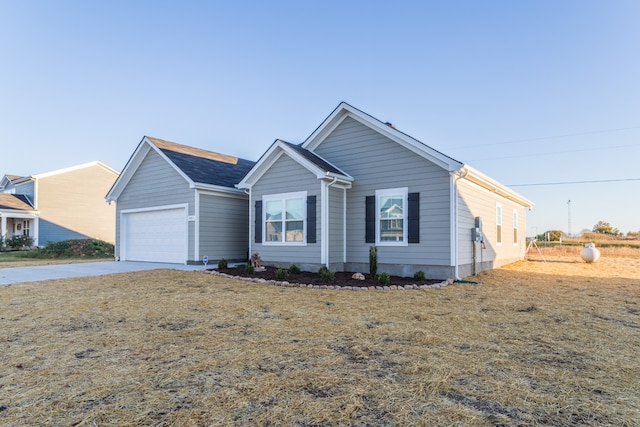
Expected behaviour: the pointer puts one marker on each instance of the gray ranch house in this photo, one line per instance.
(178, 204)
(357, 182)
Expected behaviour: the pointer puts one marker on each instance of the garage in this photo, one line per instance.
(154, 235)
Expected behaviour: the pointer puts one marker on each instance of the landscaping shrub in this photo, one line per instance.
(373, 261)
(249, 269)
(419, 276)
(326, 275)
(282, 274)
(384, 279)
(96, 249)
(223, 263)
(81, 248)
(294, 269)
(61, 249)
(19, 242)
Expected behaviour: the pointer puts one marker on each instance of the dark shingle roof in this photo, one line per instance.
(315, 159)
(205, 167)
(15, 202)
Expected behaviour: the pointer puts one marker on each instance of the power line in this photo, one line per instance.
(573, 182)
(566, 135)
(608, 147)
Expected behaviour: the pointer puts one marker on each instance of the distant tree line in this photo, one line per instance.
(601, 227)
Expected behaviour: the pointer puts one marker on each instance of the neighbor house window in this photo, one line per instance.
(498, 223)
(515, 227)
(391, 212)
(284, 218)
(25, 228)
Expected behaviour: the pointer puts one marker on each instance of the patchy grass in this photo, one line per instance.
(535, 343)
(16, 259)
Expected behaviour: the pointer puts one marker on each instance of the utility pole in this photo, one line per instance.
(569, 208)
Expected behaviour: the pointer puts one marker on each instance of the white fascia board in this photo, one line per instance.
(18, 213)
(74, 168)
(260, 167)
(277, 149)
(173, 165)
(472, 175)
(134, 163)
(345, 110)
(129, 169)
(219, 190)
(4, 182)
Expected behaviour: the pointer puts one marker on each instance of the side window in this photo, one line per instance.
(392, 217)
(284, 218)
(515, 227)
(391, 214)
(498, 223)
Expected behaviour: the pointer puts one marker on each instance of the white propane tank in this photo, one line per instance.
(590, 253)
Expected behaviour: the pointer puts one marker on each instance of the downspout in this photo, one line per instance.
(196, 229)
(247, 191)
(456, 175)
(324, 245)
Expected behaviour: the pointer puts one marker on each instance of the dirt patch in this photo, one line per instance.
(342, 279)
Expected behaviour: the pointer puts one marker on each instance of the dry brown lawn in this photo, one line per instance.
(533, 343)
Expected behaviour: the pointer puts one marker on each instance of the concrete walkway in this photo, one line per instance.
(61, 271)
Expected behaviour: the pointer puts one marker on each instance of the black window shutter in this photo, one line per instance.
(370, 219)
(414, 218)
(258, 222)
(311, 219)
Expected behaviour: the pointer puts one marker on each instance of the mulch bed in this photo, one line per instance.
(342, 279)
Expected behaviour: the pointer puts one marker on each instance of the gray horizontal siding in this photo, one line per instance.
(378, 163)
(26, 188)
(475, 201)
(223, 227)
(286, 176)
(336, 225)
(156, 183)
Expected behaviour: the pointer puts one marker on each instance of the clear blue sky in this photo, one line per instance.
(528, 92)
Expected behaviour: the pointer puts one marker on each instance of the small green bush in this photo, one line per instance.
(223, 263)
(384, 279)
(18, 242)
(249, 269)
(282, 274)
(419, 276)
(326, 275)
(373, 261)
(97, 249)
(61, 249)
(294, 269)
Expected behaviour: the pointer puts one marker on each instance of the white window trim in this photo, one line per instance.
(404, 191)
(516, 237)
(499, 222)
(284, 196)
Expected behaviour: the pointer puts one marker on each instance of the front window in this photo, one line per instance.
(391, 216)
(284, 218)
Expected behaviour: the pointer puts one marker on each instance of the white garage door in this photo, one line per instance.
(155, 236)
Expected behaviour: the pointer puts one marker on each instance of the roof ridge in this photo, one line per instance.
(193, 151)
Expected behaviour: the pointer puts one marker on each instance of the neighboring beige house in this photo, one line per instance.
(59, 205)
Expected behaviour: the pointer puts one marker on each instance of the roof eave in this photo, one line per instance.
(477, 177)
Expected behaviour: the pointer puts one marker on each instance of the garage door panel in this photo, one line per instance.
(155, 235)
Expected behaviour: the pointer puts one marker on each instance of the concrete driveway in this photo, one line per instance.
(61, 271)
